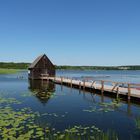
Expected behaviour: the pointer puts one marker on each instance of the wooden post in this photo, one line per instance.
(129, 91)
(47, 79)
(71, 83)
(114, 86)
(117, 92)
(84, 84)
(92, 85)
(80, 85)
(102, 86)
(61, 80)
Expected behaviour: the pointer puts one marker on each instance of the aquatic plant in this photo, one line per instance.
(8, 101)
(54, 115)
(84, 133)
(26, 94)
(137, 121)
(43, 95)
(20, 124)
(103, 107)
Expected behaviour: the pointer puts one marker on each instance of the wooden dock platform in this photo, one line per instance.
(119, 88)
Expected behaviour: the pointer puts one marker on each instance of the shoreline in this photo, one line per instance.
(14, 70)
(9, 71)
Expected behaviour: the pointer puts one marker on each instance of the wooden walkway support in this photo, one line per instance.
(119, 88)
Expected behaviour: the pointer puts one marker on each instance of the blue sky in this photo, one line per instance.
(71, 32)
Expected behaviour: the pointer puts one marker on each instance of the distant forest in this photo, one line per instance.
(99, 67)
(12, 65)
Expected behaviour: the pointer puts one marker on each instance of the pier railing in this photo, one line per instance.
(123, 88)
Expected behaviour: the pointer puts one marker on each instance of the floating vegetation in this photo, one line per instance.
(113, 104)
(84, 133)
(137, 121)
(104, 107)
(55, 115)
(15, 123)
(20, 124)
(28, 94)
(9, 101)
(42, 95)
(12, 123)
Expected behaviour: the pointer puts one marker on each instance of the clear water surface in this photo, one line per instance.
(70, 106)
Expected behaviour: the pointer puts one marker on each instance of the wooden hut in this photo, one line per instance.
(42, 66)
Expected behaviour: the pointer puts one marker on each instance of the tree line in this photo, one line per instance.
(12, 65)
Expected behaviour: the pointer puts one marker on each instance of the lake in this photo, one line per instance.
(44, 110)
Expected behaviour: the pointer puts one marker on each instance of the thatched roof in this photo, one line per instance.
(36, 61)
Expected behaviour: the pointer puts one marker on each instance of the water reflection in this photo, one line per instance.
(43, 90)
(96, 99)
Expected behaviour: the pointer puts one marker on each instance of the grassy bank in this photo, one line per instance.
(8, 71)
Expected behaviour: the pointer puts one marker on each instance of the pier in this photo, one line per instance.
(117, 88)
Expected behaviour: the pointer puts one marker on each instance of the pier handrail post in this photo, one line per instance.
(47, 78)
(61, 80)
(71, 83)
(80, 85)
(117, 93)
(102, 86)
(114, 86)
(84, 84)
(92, 85)
(129, 91)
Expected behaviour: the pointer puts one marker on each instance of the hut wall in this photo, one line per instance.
(44, 66)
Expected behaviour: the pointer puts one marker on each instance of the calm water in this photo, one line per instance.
(69, 107)
(120, 76)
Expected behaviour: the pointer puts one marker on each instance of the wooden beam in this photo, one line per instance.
(61, 80)
(80, 85)
(117, 92)
(114, 87)
(102, 86)
(71, 83)
(84, 84)
(129, 91)
(92, 85)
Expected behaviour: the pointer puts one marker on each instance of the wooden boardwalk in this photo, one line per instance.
(119, 88)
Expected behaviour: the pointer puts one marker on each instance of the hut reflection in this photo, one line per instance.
(43, 90)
